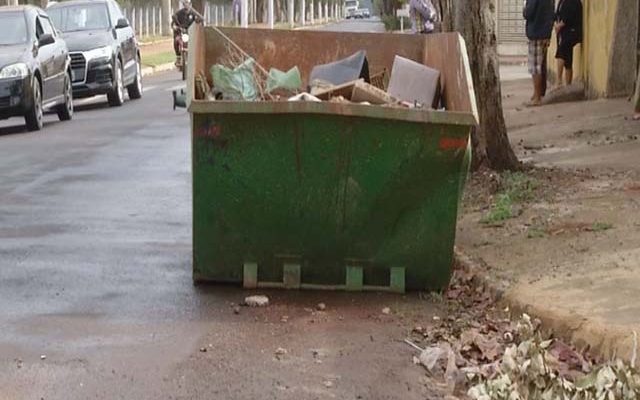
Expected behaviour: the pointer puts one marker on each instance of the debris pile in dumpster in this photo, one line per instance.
(239, 77)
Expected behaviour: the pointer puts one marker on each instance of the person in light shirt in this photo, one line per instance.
(423, 16)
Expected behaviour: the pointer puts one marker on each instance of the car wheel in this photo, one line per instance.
(135, 89)
(116, 95)
(65, 110)
(33, 117)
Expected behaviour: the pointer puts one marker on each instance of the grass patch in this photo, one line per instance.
(519, 186)
(601, 226)
(157, 38)
(516, 187)
(501, 211)
(153, 60)
(535, 233)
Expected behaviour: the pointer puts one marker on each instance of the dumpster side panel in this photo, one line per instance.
(329, 190)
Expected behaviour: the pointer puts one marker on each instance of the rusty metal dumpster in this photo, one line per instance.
(326, 195)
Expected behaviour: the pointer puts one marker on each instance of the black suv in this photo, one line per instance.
(105, 57)
(34, 67)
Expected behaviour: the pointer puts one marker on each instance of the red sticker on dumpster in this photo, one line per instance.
(209, 129)
(452, 143)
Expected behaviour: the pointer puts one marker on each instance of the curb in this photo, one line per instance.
(158, 68)
(600, 340)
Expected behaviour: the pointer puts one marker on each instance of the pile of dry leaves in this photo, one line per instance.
(485, 357)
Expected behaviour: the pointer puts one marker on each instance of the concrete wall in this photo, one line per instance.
(606, 60)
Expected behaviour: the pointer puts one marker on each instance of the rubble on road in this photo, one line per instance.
(280, 353)
(256, 301)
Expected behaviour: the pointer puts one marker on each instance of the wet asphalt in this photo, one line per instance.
(96, 297)
(95, 243)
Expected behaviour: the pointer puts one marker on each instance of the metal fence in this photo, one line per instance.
(148, 21)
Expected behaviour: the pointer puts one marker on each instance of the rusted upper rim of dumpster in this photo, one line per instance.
(335, 109)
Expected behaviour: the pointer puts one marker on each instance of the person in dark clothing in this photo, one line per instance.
(181, 21)
(568, 28)
(539, 15)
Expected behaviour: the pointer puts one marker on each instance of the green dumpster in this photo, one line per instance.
(327, 195)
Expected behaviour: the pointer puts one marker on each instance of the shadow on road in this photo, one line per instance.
(21, 128)
(92, 106)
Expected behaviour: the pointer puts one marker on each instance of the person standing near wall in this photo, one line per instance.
(539, 15)
(568, 27)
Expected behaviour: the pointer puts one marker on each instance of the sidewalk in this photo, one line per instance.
(571, 252)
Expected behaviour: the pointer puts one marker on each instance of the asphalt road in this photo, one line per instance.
(95, 241)
(96, 298)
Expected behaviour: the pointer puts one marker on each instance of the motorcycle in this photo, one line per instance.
(183, 48)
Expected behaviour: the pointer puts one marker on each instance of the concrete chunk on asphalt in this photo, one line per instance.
(256, 301)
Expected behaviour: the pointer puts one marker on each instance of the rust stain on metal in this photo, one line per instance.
(447, 143)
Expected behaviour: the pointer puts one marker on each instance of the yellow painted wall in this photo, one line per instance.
(591, 59)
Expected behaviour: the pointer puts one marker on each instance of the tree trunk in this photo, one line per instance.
(475, 20)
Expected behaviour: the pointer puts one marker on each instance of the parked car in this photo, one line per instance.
(105, 57)
(34, 67)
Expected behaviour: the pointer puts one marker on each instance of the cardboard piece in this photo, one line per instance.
(414, 82)
(345, 90)
(365, 92)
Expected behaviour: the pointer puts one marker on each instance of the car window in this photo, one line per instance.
(115, 12)
(46, 26)
(80, 17)
(39, 28)
(18, 33)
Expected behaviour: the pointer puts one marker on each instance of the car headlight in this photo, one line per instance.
(19, 70)
(101, 53)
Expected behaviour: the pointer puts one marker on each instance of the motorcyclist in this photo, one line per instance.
(180, 22)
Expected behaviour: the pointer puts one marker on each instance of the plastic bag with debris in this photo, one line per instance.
(289, 81)
(237, 83)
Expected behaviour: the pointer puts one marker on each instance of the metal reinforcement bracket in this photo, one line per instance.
(354, 279)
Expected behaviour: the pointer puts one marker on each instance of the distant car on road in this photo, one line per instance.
(366, 13)
(105, 58)
(34, 67)
(350, 7)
